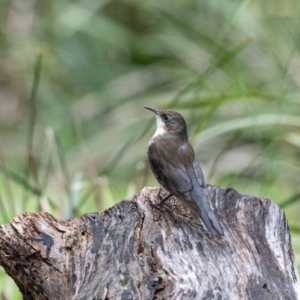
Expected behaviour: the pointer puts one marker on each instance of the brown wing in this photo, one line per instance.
(199, 173)
(171, 175)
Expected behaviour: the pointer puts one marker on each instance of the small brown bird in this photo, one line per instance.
(173, 162)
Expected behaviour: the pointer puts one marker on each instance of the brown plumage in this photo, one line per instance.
(173, 162)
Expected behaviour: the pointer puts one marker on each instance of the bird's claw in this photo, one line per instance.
(162, 200)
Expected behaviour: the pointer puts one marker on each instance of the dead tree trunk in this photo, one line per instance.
(135, 251)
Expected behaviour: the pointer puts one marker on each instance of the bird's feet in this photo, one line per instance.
(162, 200)
(161, 204)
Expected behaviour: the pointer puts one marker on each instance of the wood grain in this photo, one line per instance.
(136, 251)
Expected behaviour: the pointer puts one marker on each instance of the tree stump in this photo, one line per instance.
(136, 251)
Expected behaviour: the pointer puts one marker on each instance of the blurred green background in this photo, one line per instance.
(75, 75)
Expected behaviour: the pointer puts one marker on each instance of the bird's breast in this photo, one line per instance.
(171, 148)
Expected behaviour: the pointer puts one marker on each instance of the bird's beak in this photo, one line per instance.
(152, 109)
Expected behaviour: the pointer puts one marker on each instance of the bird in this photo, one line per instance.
(173, 163)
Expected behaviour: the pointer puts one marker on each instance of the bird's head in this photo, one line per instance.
(169, 121)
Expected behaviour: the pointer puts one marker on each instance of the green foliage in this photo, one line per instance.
(73, 128)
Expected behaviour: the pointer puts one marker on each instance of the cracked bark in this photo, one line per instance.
(135, 251)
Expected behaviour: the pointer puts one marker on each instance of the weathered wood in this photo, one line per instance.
(135, 251)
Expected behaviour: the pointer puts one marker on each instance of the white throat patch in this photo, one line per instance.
(160, 127)
(160, 130)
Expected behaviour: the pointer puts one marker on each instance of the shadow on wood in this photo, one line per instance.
(135, 251)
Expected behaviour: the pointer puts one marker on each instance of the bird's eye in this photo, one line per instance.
(165, 117)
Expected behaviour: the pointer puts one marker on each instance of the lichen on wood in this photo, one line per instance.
(136, 251)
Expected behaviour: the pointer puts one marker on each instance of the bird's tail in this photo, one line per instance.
(206, 213)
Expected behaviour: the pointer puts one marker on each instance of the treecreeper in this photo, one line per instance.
(133, 251)
(173, 162)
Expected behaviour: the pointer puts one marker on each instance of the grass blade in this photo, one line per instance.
(6, 182)
(31, 162)
(210, 70)
(259, 120)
